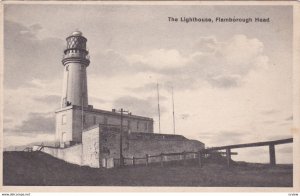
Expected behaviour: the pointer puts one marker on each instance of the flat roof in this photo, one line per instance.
(93, 110)
(136, 135)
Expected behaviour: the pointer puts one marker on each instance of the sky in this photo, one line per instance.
(232, 81)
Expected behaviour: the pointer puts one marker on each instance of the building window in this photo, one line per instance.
(64, 119)
(137, 125)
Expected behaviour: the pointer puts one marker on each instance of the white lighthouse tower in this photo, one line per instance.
(75, 60)
(70, 118)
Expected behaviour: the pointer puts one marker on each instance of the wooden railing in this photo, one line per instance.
(28, 149)
(271, 145)
(163, 158)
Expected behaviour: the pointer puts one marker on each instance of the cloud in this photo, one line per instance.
(225, 81)
(27, 57)
(289, 118)
(35, 27)
(268, 112)
(152, 87)
(220, 64)
(285, 149)
(242, 54)
(184, 116)
(206, 44)
(257, 150)
(221, 138)
(279, 137)
(19, 102)
(284, 124)
(145, 88)
(37, 123)
(20, 141)
(96, 100)
(268, 122)
(231, 137)
(49, 99)
(160, 59)
(143, 107)
(109, 63)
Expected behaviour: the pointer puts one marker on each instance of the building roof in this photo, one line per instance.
(137, 135)
(93, 110)
(77, 33)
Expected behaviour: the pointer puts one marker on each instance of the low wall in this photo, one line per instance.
(140, 144)
(71, 154)
(99, 147)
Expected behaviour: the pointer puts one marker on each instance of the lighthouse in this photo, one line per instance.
(75, 61)
(89, 136)
(95, 137)
(75, 116)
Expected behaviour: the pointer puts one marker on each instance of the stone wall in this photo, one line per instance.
(110, 144)
(102, 143)
(71, 154)
(140, 144)
(154, 146)
(90, 149)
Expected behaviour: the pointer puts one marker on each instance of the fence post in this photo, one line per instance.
(200, 158)
(272, 154)
(228, 156)
(147, 159)
(162, 159)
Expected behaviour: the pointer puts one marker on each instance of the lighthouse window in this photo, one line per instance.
(64, 119)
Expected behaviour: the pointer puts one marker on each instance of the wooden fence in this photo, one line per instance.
(163, 158)
(201, 154)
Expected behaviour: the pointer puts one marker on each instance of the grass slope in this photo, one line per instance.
(38, 169)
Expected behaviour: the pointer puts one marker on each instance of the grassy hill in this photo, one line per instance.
(39, 169)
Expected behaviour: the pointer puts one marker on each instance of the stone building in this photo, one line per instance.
(87, 136)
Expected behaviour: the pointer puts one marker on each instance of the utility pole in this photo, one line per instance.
(121, 137)
(158, 107)
(173, 111)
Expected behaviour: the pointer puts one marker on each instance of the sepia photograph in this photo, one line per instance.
(148, 94)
